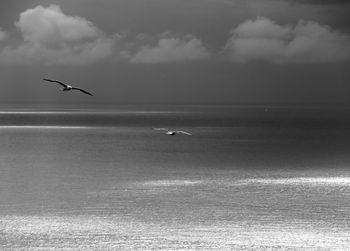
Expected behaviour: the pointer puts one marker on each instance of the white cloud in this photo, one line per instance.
(51, 37)
(263, 39)
(50, 25)
(170, 49)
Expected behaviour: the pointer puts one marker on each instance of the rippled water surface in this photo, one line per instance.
(84, 186)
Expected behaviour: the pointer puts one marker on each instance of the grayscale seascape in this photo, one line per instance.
(174, 125)
(103, 179)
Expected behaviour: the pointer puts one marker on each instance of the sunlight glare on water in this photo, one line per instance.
(108, 181)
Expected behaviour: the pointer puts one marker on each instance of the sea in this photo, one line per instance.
(99, 177)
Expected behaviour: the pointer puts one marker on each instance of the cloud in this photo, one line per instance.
(82, 54)
(263, 39)
(51, 37)
(50, 25)
(3, 34)
(170, 49)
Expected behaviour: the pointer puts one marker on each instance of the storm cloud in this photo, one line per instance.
(264, 40)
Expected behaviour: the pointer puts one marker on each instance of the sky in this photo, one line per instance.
(176, 51)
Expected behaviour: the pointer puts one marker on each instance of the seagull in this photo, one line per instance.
(170, 132)
(68, 87)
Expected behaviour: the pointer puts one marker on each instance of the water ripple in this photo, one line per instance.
(311, 181)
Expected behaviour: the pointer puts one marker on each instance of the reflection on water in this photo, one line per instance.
(130, 188)
(41, 127)
(304, 181)
(111, 233)
(191, 214)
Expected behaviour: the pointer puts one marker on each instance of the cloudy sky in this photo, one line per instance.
(176, 51)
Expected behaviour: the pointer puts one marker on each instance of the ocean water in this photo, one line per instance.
(100, 178)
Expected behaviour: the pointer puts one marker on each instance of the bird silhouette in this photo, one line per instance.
(68, 87)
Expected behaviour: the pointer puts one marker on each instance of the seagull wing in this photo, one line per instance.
(86, 92)
(187, 133)
(55, 81)
(162, 129)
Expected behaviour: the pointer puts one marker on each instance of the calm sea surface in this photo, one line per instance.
(249, 178)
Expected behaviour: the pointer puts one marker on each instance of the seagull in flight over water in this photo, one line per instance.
(170, 132)
(68, 87)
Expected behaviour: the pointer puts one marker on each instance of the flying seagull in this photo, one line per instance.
(67, 87)
(170, 132)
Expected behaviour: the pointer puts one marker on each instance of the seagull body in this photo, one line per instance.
(66, 87)
(171, 132)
